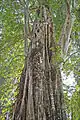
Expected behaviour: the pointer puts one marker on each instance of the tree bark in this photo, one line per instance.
(40, 94)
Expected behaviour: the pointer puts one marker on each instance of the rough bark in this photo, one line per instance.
(40, 94)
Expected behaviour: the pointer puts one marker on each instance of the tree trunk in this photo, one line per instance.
(40, 94)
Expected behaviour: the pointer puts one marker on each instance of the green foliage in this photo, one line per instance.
(58, 11)
(73, 104)
(12, 49)
(57, 59)
(11, 53)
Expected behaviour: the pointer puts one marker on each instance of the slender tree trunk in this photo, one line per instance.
(40, 94)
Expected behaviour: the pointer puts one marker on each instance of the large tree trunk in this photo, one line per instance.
(40, 94)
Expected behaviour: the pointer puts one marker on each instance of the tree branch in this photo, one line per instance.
(70, 57)
(26, 31)
(66, 31)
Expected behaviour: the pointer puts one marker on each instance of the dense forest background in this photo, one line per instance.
(16, 21)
